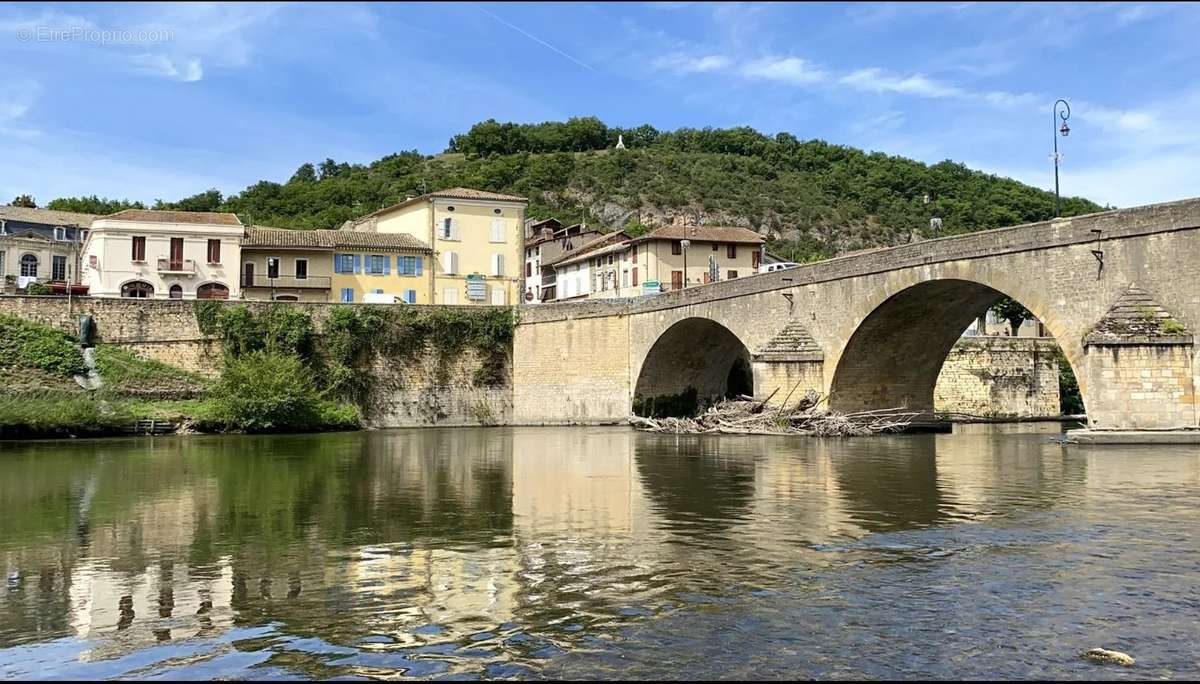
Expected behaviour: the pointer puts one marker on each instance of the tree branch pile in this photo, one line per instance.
(746, 416)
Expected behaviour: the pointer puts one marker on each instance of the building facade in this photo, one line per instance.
(477, 239)
(40, 245)
(379, 264)
(546, 241)
(163, 254)
(670, 258)
(280, 264)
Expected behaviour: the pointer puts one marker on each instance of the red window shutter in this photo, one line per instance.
(676, 248)
(755, 258)
(635, 280)
(635, 251)
(139, 249)
(732, 253)
(214, 251)
(676, 280)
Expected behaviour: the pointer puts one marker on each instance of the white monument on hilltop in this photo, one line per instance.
(620, 141)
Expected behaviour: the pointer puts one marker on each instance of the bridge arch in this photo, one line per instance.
(895, 353)
(698, 354)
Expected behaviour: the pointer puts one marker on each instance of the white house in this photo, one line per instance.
(163, 255)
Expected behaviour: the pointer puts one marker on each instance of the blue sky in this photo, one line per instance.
(153, 101)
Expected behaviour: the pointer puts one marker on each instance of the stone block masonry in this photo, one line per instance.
(1000, 377)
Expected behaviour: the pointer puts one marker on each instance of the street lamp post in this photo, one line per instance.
(685, 244)
(1064, 130)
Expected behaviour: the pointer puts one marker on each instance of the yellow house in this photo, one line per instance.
(378, 264)
(477, 239)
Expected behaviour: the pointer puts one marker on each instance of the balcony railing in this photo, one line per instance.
(184, 266)
(286, 281)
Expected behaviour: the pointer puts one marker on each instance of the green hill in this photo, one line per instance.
(810, 198)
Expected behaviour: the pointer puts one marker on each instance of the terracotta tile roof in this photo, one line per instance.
(355, 240)
(363, 224)
(159, 216)
(265, 236)
(589, 247)
(45, 216)
(735, 234)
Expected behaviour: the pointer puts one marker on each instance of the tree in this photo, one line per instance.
(305, 174)
(1011, 310)
(209, 200)
(26, 201)
(93, 205)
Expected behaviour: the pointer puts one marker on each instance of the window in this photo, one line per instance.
(347, 295)
(139, 248)
(58, 268)
(248, 274)
(379, 290)
(449, 208)
(733, 274)
(410, 296)
(272, 267)
(611, 259)
(137, 290)
(176, 254)
(450, 295)
(176, 292)
(676, 247)
(450, 262)
(212, 291)
(528, 269)
(497, 230)
(635, 280)
(214, 251)
(499, 296)
(449, 229)
(301, 269)
(60, 233)
(497, 264)
(755, 259)
(716, 246)
(345, 263)
(625, 278)
(731, 251)
(495, 211)
(409, 265)
(377, 264)
(29, 264)
(635, 251)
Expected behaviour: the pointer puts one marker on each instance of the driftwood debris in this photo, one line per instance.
(747, 416)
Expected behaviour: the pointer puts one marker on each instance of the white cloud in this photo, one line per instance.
(681, 63)
(875, 80)
(189, 70)
(16, 100)
(786, 69)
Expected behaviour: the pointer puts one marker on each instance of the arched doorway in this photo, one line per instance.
(137, 289)
(695, 362)
(895, 355)
(212, 291)
(176, 292)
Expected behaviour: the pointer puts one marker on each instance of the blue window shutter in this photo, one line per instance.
(399, 265)
(387, 265)
(357, 261)
(411, 296)
(337, 263)
(420, 261)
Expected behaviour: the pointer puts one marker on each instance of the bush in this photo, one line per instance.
(54, 414)
(38, 289)
(265, 392)
(24, 343)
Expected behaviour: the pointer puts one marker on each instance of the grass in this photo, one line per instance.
(122, 369)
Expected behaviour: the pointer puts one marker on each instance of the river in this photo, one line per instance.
(596, 553)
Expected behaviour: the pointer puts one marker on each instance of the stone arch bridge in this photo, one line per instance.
(1118, 290)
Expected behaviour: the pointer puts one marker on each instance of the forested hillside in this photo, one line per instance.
(811, 198)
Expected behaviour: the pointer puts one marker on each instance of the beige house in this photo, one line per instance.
(40, 245)
(280, 264)
(477, 241)
(670, 258)
(163, 254)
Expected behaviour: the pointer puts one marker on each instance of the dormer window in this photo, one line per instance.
(60, 233)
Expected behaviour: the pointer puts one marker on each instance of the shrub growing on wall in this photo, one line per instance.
(264, 391)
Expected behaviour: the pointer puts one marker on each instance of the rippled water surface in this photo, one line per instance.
(596, 553)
